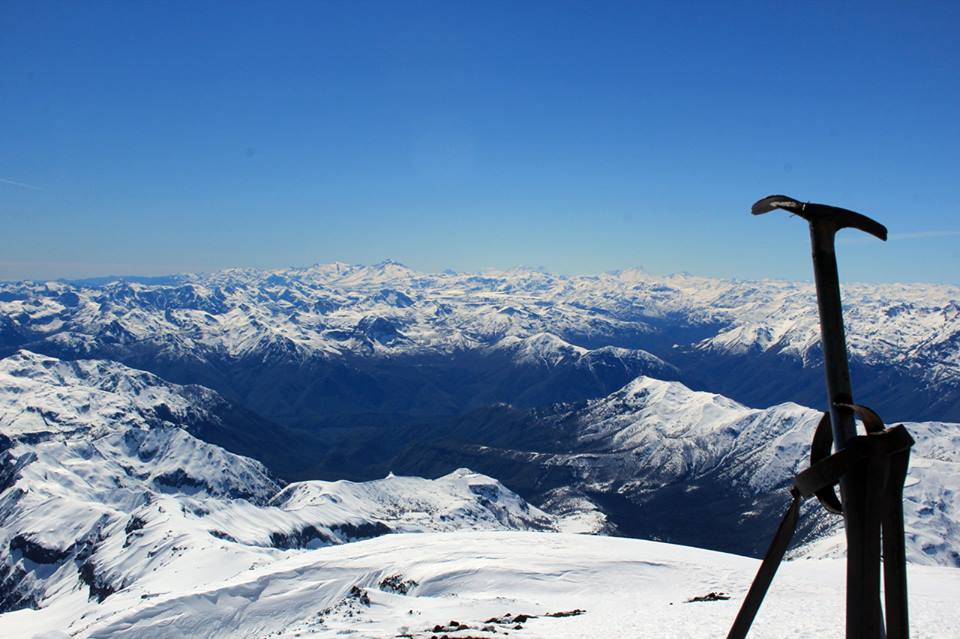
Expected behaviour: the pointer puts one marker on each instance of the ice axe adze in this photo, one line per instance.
(870, 469)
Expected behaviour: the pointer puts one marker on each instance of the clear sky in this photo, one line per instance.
(158, 137)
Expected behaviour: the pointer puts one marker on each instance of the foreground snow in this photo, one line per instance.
(627, 588)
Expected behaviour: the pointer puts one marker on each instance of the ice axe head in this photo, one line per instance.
(821, 216)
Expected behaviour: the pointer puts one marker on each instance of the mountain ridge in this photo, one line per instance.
(213, 329)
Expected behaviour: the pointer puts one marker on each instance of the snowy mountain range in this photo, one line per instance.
(118, 521)
(310, 346)
(149, 429)
(338, 371)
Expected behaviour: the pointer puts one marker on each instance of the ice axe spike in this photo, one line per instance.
(864, 613)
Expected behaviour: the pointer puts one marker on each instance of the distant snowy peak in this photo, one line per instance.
(667, 433)
(550, 351)
(649, 392)
(462, 499)
(745, 338)
(650, 408)
(541, 349)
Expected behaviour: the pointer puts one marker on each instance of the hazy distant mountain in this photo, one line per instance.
(324, 345)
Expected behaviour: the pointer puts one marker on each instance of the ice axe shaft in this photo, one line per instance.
(833, 341)
(861, 508)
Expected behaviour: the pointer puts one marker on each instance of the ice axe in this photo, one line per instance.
(870, 469)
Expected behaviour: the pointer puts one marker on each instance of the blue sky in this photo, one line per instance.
(158, 137)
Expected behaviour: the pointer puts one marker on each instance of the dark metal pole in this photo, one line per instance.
(832, 337)
(864, 613)
(861, 506)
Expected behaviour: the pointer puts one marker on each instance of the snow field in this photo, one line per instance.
(627, 588)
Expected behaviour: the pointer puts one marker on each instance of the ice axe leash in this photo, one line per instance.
(871, 469)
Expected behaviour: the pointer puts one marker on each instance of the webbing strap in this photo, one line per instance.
(886, 446)
(768, 568)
